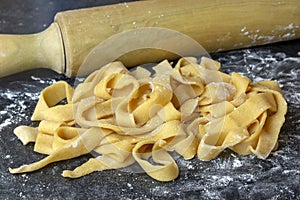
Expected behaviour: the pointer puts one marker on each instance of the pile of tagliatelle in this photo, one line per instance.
(134, 117)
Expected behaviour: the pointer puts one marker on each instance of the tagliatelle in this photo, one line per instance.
(134, 117)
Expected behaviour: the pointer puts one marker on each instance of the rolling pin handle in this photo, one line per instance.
(24, 52)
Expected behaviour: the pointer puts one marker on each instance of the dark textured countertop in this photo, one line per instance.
(229, 176)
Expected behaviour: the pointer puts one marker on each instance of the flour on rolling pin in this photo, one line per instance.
(255, 35)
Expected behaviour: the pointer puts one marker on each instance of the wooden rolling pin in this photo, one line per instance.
(216, 25)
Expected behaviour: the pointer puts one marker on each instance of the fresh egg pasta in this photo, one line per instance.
(128, 117)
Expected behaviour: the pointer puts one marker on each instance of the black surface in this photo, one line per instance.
(229, 176)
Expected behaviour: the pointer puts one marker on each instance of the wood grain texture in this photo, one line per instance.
(216, 25)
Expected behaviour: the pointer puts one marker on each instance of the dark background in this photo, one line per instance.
(30, 16)
(229, 176)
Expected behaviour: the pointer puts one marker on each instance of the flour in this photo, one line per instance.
(41, 80)
(237, 163)
(265, 65)
(7, 156)
(129, 185)
(19, 99)
(15, 111)
(256, 35)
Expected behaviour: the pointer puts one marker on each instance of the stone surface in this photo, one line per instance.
(229, 176)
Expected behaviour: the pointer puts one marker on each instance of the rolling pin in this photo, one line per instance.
(216, 25)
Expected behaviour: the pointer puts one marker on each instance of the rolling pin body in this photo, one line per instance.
(216, 25)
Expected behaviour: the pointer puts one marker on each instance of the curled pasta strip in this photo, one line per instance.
(46, 107)
(165, 169)
(124, 117)
(82, 145)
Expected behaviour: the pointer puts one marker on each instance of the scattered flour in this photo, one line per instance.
(41, 80)
(129, 186)
(265, 65)
(16, 110)
(20, 100)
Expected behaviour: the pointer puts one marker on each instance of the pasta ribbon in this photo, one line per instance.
(123, 117)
